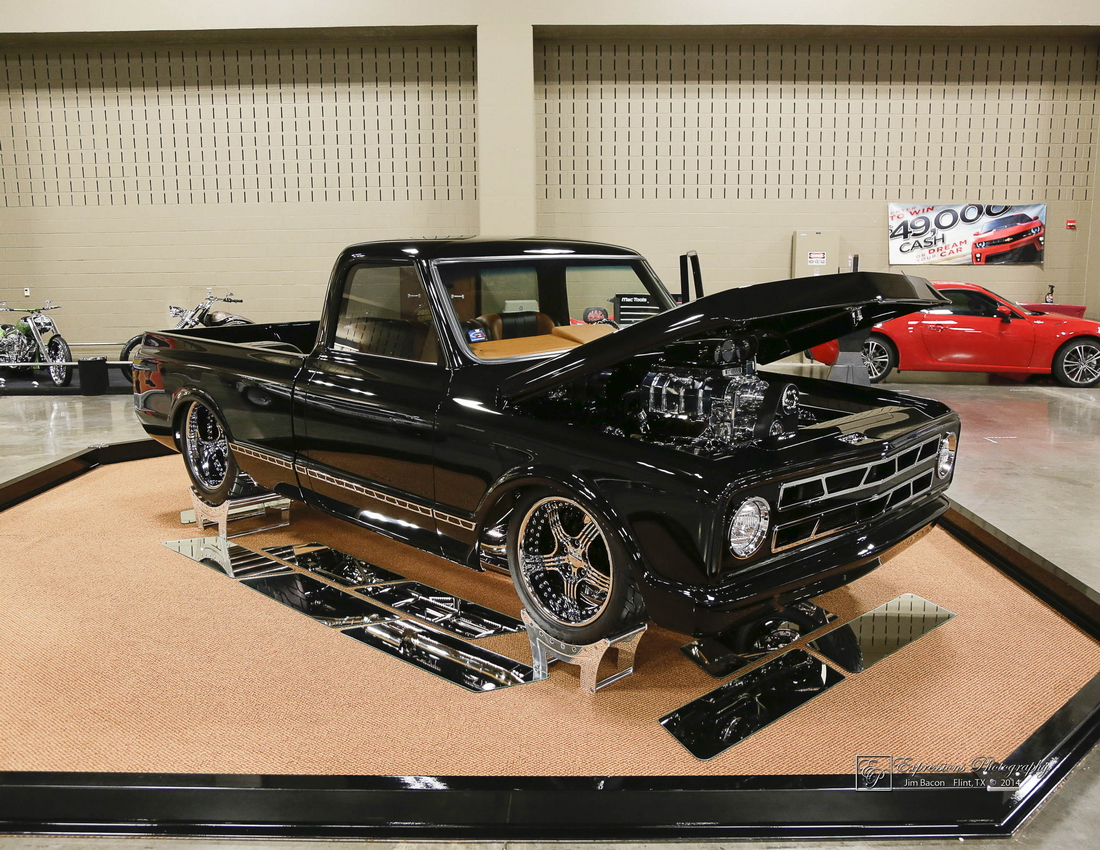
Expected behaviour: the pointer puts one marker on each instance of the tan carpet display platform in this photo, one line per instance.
(141, 686)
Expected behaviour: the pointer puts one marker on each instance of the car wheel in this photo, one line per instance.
(127, 354)
(569, 569)
(1077, 363)
(880, 356)
(206, 454)
(57, 351)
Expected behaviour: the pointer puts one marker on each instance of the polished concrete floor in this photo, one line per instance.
(1029, 460)
(36, 430)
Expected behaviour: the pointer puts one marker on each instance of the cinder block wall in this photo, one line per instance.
(137, 175)
(727, 146)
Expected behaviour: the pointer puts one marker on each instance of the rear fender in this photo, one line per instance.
(182, 400)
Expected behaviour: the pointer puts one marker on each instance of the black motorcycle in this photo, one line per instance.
(34, 339)
(200, 314)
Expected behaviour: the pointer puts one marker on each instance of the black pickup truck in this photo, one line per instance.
(542, 407)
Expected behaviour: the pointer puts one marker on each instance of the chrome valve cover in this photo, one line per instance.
(727, 401)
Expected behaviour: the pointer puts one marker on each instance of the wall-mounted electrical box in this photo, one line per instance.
(815, 252)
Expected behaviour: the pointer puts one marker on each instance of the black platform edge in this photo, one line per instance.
(574, 808)
(19, 385)
(64, 469)
(16, 383)
(1065, 593)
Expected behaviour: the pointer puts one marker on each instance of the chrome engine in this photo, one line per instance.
(729, 405)
(714, 406)
(15, 347)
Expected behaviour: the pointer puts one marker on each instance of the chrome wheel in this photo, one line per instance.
(1080, 363)
(58, 353)
(206, 448)
(564, 562)
(878, 358)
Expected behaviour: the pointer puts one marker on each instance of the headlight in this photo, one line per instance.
(749, 526)
(945, 460)
(979, 244)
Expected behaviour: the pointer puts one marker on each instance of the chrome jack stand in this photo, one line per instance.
(545, 649)
(260, 505)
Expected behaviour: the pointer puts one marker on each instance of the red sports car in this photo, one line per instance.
(982, 332)
(1017, 237)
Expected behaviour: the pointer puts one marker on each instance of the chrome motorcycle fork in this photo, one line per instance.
(39, 341)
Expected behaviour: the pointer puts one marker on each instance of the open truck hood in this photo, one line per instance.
(784, 317)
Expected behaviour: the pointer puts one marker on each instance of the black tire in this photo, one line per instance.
(1077, 363)
(57, 351)
(213, 470)
(127, 354)
(587, 593)
(881, 357)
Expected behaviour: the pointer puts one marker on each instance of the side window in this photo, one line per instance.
(384, 310)
(982, 305)
(967, 303)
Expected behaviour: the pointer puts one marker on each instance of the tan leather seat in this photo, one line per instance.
(515, 325)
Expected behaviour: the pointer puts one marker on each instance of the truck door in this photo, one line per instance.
(367, 401)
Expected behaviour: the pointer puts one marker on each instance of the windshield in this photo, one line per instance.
(522, 307)
(1007, 221)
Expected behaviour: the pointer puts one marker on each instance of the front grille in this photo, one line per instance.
(1004, 240)
(817, 506)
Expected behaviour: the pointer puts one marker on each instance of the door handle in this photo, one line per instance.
(936, 328)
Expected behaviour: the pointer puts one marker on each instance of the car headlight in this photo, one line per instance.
(749, 526)
(945, 459)
(979, 244)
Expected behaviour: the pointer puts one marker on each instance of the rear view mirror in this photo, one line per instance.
(1005, 313)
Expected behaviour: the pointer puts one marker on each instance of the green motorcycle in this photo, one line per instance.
(34, 339)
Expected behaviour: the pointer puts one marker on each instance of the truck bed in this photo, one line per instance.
(299, 335)
(246, 372)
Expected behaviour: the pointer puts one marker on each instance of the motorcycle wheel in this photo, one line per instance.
(57, 352)
(128, 354)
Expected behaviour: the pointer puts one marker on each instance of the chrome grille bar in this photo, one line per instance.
(885, 473)
(891, 466)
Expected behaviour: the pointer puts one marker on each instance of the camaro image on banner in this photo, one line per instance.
(966, 234)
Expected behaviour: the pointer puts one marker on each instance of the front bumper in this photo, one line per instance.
(1006, 251)
(813, 570)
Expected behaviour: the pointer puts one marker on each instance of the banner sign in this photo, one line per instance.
(966, 234)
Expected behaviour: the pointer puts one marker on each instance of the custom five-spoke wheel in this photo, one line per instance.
(569, 569)
(1077, 363)
(880, 357)
(210, 464)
